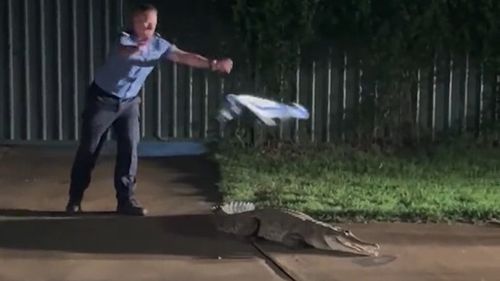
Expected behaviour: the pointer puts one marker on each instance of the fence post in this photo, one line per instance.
(329, 97)
(419, 93)
(344, 95)
(297, 93)
(481, 99)
(12, 113)
(450, 96)
(466, 94)
(74, 31)
(313, 102)
(434, 85)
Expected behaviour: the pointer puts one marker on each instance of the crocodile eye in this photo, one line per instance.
(347, 232)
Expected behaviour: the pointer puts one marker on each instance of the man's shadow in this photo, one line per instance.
(108, 233)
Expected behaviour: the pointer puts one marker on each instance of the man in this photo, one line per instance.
(113, 101)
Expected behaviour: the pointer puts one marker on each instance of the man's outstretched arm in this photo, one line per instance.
(195, 60)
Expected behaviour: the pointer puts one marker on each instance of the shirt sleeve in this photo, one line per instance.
(167, 47)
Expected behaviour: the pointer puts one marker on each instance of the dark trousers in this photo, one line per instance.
(102, 112)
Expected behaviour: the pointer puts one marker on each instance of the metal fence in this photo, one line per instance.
(52, 47)
(50, 51)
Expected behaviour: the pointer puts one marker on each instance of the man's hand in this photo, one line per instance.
(224, 65)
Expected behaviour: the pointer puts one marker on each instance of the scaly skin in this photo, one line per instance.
(290, 228)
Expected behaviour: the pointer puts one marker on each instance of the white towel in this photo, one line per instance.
(264, 109)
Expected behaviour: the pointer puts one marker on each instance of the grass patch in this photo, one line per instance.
(457, 183)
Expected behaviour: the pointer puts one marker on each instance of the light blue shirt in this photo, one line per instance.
(124, 75)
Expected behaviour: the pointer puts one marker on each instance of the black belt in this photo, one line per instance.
(98, 91)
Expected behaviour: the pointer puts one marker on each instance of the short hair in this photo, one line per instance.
(143, 7)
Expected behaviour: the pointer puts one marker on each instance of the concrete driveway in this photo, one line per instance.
(178, 242)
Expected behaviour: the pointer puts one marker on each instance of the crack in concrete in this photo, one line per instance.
(279, 269)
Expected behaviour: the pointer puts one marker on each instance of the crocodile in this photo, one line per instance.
(288, 227)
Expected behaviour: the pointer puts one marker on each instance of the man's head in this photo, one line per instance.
(144, 20)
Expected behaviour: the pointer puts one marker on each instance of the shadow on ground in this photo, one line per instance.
(106, 233)
(199, 172)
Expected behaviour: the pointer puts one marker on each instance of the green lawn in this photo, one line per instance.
(338, 183)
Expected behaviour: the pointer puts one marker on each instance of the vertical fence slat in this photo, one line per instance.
(222, 89)
(375, 112)
(205, 107)
(360, 82)
(344, 95)
(360, 93)
(450, 96)
(481, 97)
(91, 38)
(417, 113)
(466, 94)
(106, 20)
(43, 81)
(120, 13)
(434, 88)
(59, 72)
(329, 97)
(280, 124)
(143, 111)
(297, 94)
(496, 103)
(106, 27)
(159, 104)
(313, 102)
(27, 70)
(74, 28)
(174, 101)
(190, 97)
(12, 113)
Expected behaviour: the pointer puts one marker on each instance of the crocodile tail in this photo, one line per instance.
(237, 207)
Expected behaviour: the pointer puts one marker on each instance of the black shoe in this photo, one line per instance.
(131, 208)
(73, 208)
